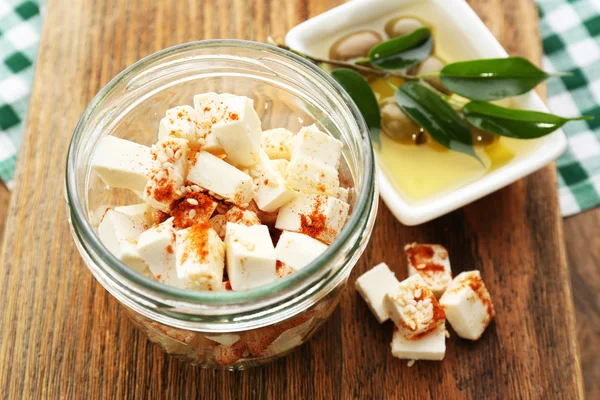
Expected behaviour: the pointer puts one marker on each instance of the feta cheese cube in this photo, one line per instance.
(276, 143)
(173, 340)
(468, 305)
(431, 346)
(182, 122)
(315, 145)
(266, 218)
(259, 340)
(156, 246)
(226, 339)
(321, 217)
(373, 286)
(220, 178)
(121, 163)
(308, 176)
(432, 263)
(289, 339)
(270, 190)
(297, 250)
(142, 214)
(413, 307)
(120, 233)
(282, 270)
(280, 165)
(234, 215)
(168, 172)
(194, 208)
(239, 131)
(210, 108)
(200, 257)
(228, 355)
(250, 256)
(342, 194)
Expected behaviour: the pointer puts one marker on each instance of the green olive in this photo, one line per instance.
(401, 26)
(430, 65)
(481, 138)
(396, 124)
(354, 45)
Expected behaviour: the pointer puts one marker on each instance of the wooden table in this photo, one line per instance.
(63, 336)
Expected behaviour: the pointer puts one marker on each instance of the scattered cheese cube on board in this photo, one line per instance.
(420, 321)
(413, 307)
(468, 305)
(373, 286)
(432, 263)
(431, 346)
(121, 163)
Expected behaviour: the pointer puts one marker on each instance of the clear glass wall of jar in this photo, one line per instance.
(229, 329)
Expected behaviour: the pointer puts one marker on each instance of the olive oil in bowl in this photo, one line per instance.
(419, 179)
(419, 168)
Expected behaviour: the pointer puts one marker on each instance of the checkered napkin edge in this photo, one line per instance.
(20, 23)
(570, 31)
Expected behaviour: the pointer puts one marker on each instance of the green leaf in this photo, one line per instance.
(438, 118)
(520, 124)
(361, 93)
(403, 51)
(492, 79)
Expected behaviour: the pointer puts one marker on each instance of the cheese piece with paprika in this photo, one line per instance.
(468, 305)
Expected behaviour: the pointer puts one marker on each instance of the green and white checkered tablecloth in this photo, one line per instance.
(20, 23)
(571, 39)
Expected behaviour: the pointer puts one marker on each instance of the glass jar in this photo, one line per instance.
(223, 329)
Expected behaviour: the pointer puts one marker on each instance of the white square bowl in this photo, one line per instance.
(462, 26)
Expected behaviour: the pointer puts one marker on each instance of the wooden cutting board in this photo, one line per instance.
(63, 336)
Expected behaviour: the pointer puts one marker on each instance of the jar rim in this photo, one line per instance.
(86, 232)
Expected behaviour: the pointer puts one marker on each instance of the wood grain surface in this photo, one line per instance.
(63, 336)
(582, 236)
(4, 200)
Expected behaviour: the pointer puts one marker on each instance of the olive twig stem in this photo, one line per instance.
(345, 64)
(427, 75)
(363, 61)
(455, 103)
(390, 84)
